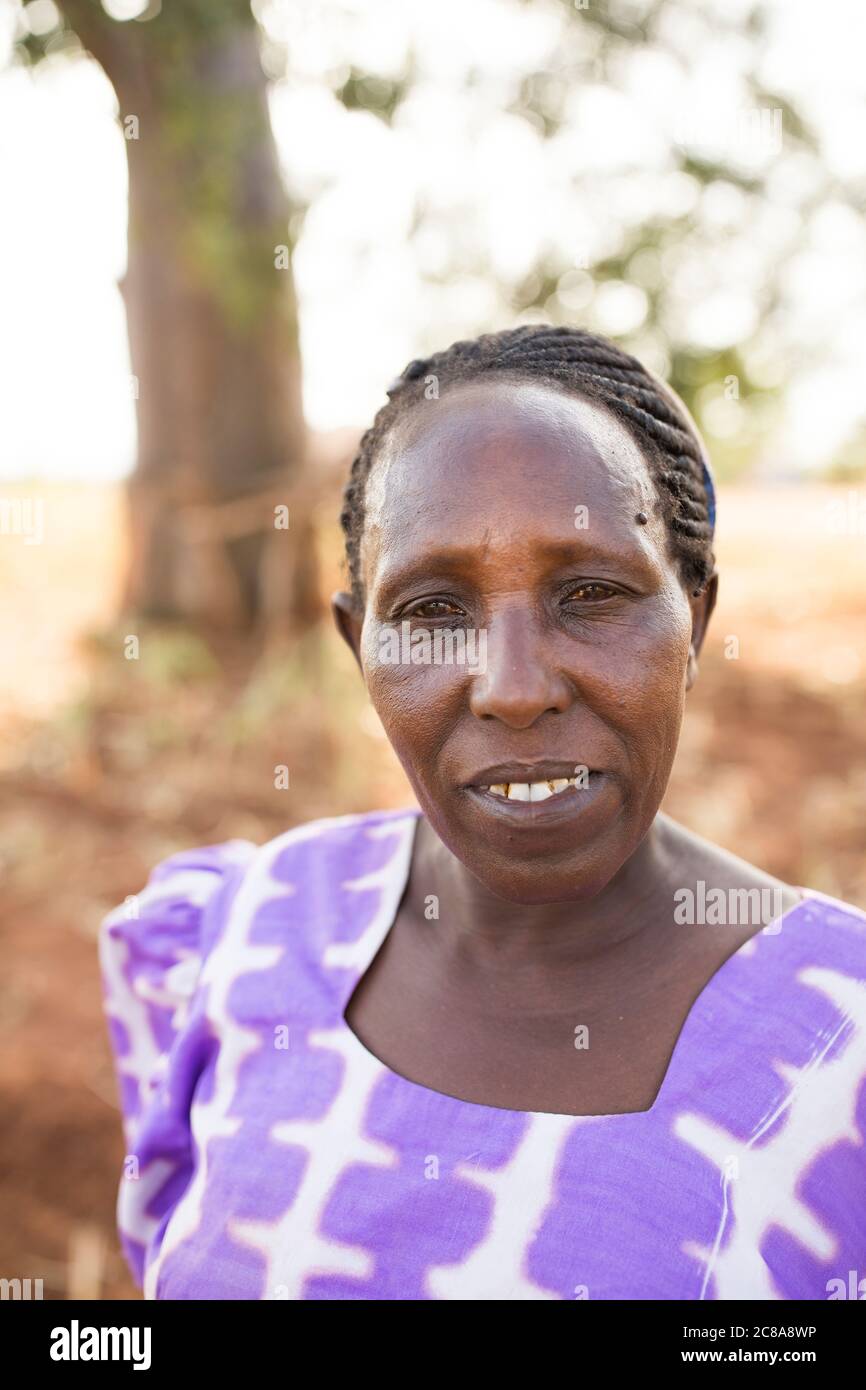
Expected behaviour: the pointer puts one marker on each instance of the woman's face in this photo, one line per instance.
(507, 511)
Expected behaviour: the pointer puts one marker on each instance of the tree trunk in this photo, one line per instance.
(212, 319)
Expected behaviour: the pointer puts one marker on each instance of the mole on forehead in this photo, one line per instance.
(579, 425)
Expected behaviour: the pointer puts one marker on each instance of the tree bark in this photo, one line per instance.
(212, 318)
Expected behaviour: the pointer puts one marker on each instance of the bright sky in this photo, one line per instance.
(495, 195)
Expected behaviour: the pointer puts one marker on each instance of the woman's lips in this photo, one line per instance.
(592, 799)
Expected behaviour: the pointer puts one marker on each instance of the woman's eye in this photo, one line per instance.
(433, 608)
(590, 593)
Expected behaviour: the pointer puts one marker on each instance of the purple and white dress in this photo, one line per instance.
(270, 1155)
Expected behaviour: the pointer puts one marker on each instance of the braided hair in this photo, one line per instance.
(587, 365)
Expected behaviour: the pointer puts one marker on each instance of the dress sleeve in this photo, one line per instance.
(151, 951)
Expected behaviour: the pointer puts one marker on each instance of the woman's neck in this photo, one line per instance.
(475, 921)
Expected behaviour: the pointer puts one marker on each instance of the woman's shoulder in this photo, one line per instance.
(182, 888)
(329, 831)
(344, 847)
(833, 935)
(156, 946)
(715, 887)
(162, 923)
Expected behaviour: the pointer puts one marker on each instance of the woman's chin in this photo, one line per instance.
(532, 871)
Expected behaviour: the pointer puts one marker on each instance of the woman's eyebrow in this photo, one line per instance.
(461, 561)
(587, 545)
(444, 560)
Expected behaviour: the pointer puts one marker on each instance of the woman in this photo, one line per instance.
(523, 1042)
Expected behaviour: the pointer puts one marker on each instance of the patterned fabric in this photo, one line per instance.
(270, 1155)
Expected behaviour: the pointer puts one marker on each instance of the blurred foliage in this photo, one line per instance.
(366, 92)
(663, 252)
(599, 41)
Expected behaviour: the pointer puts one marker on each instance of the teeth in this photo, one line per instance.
(540, 791)
(532, 791)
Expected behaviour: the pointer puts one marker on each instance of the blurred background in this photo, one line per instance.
(226, 228)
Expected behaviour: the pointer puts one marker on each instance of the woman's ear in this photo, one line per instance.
(349, 622)
(702, 607)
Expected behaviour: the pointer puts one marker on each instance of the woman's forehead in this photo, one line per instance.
(520, 443)
(515, 470)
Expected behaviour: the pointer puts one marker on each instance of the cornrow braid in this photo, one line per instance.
(589, 366)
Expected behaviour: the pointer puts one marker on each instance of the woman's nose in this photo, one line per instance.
(520, 681)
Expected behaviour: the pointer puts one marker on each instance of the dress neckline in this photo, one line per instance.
(393, 889)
